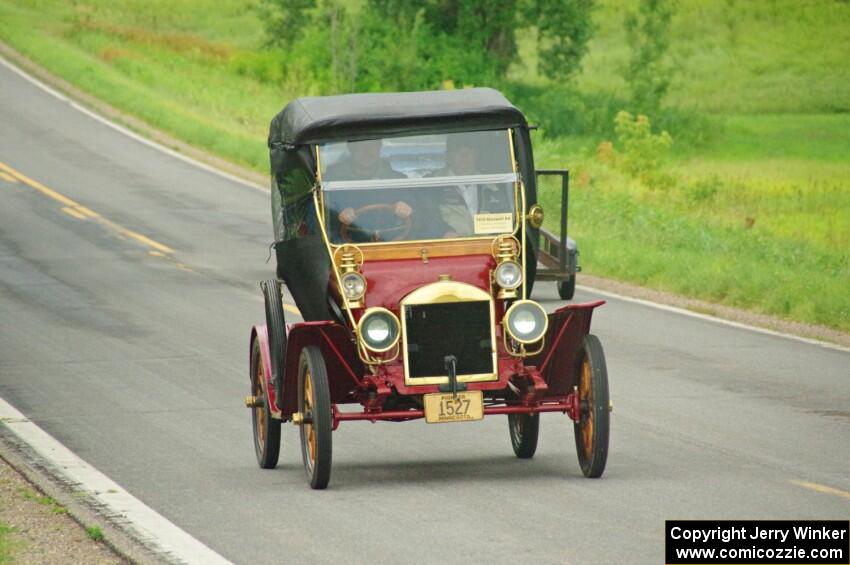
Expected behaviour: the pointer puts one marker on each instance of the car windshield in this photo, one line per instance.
(419, 187)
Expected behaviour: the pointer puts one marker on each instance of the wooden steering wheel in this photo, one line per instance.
(395, 232)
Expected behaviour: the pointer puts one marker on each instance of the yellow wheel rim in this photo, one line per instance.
(585, 392)
(259, 412)
(309, 430)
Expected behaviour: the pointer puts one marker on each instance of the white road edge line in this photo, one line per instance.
(154, 530)
(709, 318)
(234, 178)
(105, 121)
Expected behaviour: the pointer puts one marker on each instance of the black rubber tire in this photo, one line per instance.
(567, 288)
(266, 429)
(593, 454)
(318, 466)
(276, 327)
(524, 430)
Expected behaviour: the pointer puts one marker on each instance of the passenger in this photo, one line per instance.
(457, 205)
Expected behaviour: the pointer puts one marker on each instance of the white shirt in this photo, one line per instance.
(469, 192)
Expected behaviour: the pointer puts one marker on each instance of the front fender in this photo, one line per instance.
(558, 361)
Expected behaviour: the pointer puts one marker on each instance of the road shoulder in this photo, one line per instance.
(43, 520)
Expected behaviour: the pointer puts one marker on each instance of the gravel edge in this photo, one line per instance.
(41, 529)
(80, 506)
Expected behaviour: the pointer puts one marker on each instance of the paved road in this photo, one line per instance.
(135, 357)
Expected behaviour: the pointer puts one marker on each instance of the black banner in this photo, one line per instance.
(758, 542)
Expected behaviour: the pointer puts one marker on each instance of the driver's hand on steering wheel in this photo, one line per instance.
(402, 210)
(347, 216)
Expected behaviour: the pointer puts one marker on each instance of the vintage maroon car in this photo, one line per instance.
(406, 231)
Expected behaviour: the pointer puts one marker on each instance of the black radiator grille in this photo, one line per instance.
(461, 329)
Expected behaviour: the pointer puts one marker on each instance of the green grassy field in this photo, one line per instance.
(758, 214)
(5, 544)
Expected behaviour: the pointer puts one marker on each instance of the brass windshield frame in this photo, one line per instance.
(519, 209)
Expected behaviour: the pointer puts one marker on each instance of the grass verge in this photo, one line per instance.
(6, 544)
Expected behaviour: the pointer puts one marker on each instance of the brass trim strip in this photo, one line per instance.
(331, 258)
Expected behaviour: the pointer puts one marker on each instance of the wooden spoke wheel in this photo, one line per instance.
(524, 429)
(314, 402)
(266, 429)
(353, 234)
(592, 430)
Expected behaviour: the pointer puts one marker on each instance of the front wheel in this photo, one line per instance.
(266, 429)
(592, 429)
(524, 428)
(314, 403)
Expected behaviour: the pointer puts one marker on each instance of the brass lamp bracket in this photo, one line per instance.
(348, 258)
(505, 248)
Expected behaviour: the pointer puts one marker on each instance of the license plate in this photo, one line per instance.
(463, 407)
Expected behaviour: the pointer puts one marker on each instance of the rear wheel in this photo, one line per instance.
(524, 429)
(266, 429)
(592, 430)
(567, 288)
(314, 403)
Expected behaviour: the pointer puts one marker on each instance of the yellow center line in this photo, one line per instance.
(38, 186)
(822, 488)
(288, 307)
(79, 211)
(74, 212)
(291, 308)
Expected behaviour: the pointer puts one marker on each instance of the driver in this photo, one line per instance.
(365, 164)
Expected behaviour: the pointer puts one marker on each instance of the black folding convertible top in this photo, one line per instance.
(366, 116)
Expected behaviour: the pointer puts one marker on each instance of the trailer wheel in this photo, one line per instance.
(266, 429)
(524, 429)
(567, 288)
(314, 403)
(592, 430)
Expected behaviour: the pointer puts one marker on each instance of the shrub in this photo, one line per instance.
(638, 152)
(642, 152)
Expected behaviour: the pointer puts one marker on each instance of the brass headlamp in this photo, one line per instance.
(508, 272)
(349, 259)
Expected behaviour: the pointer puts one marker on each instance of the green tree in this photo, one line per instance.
(416, 44)
(285, 20)
(648, 71)
(563, 29)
